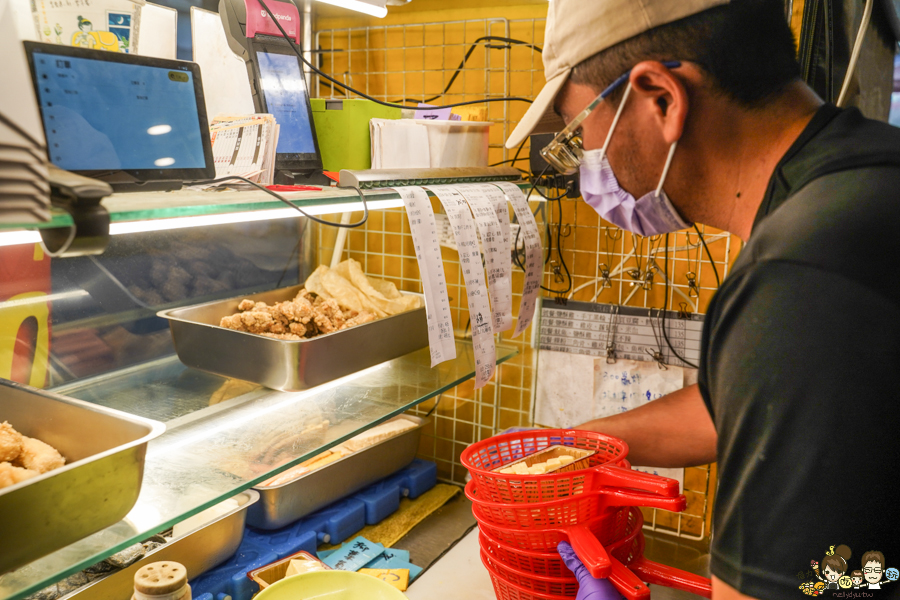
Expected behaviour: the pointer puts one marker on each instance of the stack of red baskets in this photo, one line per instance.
(522, 518)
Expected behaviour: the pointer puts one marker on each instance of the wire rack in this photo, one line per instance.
(416, 61)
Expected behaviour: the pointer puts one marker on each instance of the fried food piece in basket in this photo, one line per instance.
(10, 442)
(38, 456)
(11, 474)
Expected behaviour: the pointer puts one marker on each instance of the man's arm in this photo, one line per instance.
(673, 431)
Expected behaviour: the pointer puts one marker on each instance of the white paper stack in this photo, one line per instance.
(422, 144)
(244, 145)
(24, 191)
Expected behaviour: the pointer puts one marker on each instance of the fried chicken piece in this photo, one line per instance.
(298, 329)
(360, 318)
(10, 442)
(328, 315)
(246, 304)
(11, 475)
(257, 321)
(233, 322)
(38, 456)
(300, 310)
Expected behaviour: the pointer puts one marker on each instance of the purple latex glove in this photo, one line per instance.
(589, 588)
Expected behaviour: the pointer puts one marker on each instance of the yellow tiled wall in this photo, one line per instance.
(412, 54)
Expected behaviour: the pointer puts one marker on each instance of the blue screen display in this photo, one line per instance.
(101, 115)
(286, 99)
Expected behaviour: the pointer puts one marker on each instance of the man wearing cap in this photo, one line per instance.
(684, 111)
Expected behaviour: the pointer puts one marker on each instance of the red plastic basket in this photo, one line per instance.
(553, 586)
(506, 590)
(546, 564)
(570, 510)
(607, 467)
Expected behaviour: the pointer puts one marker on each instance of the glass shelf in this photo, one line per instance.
(144, 206)
(216, 445)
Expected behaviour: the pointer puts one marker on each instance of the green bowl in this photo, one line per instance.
(331, 585)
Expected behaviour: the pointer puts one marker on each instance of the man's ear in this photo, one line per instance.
(654, 84)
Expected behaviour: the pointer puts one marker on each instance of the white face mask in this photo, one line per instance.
(651, 214)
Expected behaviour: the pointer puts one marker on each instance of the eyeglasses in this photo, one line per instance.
(566, 150)
(871, 570)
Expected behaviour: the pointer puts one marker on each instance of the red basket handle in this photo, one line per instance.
(619, 497)
(628, 584)
(591, 552)
(611, 475)
(653, 572)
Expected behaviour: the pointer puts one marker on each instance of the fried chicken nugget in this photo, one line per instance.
(11, 475)
(38, 456)
(10, 442)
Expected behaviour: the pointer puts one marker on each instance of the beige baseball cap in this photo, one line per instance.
(579, 29)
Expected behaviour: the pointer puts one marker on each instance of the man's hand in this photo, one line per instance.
(673, 431)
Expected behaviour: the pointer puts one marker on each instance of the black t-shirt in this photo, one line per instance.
(801, 366)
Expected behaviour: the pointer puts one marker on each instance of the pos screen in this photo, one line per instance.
(108, 112)
(282, 93)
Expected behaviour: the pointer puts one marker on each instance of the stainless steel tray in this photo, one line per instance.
(283, 504)
(104, 451)
(284, 364)
(199, 551)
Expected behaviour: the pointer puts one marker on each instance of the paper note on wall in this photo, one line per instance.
(628, 384)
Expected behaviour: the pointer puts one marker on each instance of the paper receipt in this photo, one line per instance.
(431, 268)
(496, 251)
(457, 210)
(533, 254)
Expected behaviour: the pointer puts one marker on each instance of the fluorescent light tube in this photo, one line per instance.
(13, 238)
(376, 8)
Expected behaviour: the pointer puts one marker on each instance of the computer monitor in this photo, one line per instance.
(136, 122)
(280, 90)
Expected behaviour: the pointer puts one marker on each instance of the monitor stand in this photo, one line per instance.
(283, 177)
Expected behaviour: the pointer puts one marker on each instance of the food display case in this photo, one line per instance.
(106, 348)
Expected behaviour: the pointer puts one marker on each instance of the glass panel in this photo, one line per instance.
(217, 445)
(103, 312)
(191, 203)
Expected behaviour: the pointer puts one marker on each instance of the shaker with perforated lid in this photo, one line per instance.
(166, 580)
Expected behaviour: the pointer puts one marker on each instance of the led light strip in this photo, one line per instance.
(14, 238)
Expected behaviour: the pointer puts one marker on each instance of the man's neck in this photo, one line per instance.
(740, 150)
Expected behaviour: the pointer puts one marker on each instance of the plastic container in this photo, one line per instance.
(457, 143)
(274, 572)
(342, 130)
(331, 585)
(607, 467)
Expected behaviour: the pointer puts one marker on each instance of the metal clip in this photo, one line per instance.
(611, 354)
(604, 276)
(564, 231)
(557, 272)
(683, 311)
(652, 270)
(561, 299)
(657, 356)
(693, 288)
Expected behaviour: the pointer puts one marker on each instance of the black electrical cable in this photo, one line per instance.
(462, 64)
(666, 308)
(316, 70)
(362, 198)
(709, 256)
(515, 156)
(562, 259)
